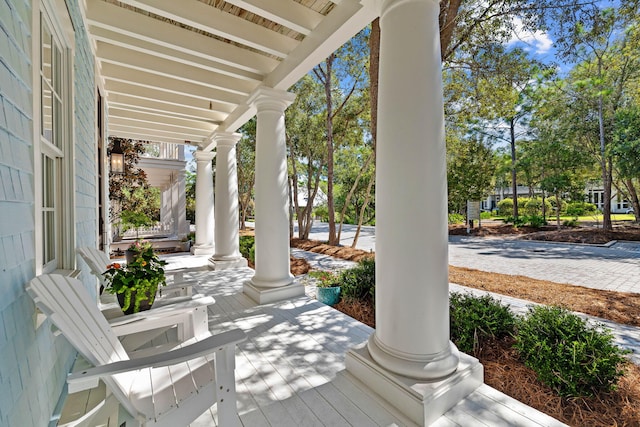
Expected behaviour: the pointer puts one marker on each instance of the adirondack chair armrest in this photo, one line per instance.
(89, 378)
(163, 311)
(185, 285)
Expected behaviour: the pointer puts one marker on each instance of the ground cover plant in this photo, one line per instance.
(474, 321)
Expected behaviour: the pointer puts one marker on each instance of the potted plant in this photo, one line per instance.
(133, 251)
(327, 286)
(136, 283)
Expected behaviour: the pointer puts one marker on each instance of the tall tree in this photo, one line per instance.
(246, 157)
(504, 100)
(589, 38)
(471, 166)
(342, 75)
(306, 150)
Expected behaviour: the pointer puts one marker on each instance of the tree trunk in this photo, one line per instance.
(557, 209)
(374, 66)
(514, 183)
(633, 195)
(362, 212)
(292, 206)
(330, 202)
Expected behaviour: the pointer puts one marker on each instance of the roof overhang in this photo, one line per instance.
(179, 71)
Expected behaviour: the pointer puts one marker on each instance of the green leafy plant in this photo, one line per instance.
(576, 209)
(473, 320)
(568, 355)
(132, 219)
(455, 218)
(140, 277)
(248, 247)
(359, 282)
(536, 221)
(325, 279)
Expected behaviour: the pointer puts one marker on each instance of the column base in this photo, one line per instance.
(202, 250)
(422, 402)
(225, 264)
(263, 295)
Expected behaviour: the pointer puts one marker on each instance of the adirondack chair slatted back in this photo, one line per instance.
(71, 309)
(96, 260)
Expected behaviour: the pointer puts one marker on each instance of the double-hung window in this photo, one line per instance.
(54, 146)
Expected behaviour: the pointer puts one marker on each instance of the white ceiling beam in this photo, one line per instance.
(116, 18)
(127, 102)
(189, 125)
(284, 12)
(207, 18)
(123, 40)
(143, 61)
(123, 133)
(342, 23)
(152, 130)
(167, 84)
(123, 88)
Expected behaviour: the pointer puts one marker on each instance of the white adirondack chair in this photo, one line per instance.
(162, 389)
(97, 261)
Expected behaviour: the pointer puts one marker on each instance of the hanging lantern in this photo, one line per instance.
(116, 157)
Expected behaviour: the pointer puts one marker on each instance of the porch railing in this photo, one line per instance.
(158, 229)
(164, 150)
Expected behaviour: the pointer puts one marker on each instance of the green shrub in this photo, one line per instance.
(248, 247)
(485, 215)
(359, 282)
(534, 206)
(536, 221)
(456, 218)
(554, 203)
(473, 320)
(570, 222)
(568, 355)
(505, 207)
(577, 209)
(517, 222)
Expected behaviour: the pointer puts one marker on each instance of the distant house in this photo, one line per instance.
(593, 194)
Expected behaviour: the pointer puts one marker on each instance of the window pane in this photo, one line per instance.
(45, 62)
(49, 236)
(47, 112)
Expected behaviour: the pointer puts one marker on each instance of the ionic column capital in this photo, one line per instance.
(226, 139)
(204, 156)
(269, 99)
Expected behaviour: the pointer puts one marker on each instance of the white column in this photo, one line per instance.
(272, 280)
(205, 219)
(412, 302)
(180, 204)
(227, 244)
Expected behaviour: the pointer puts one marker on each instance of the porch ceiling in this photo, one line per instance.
(177, 71)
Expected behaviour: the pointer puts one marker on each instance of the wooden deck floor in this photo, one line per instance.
(290, 371)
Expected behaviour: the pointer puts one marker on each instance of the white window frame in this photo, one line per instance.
(54, 13)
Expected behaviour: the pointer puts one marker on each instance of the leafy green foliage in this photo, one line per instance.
(533, 206)
(455, 218)
(248, 247)
(470, 170)
(325, 279)
(577, 209)
(359, 282)
(474, 320)
(568, 355)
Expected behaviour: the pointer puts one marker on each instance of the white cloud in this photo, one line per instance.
(537, 41)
